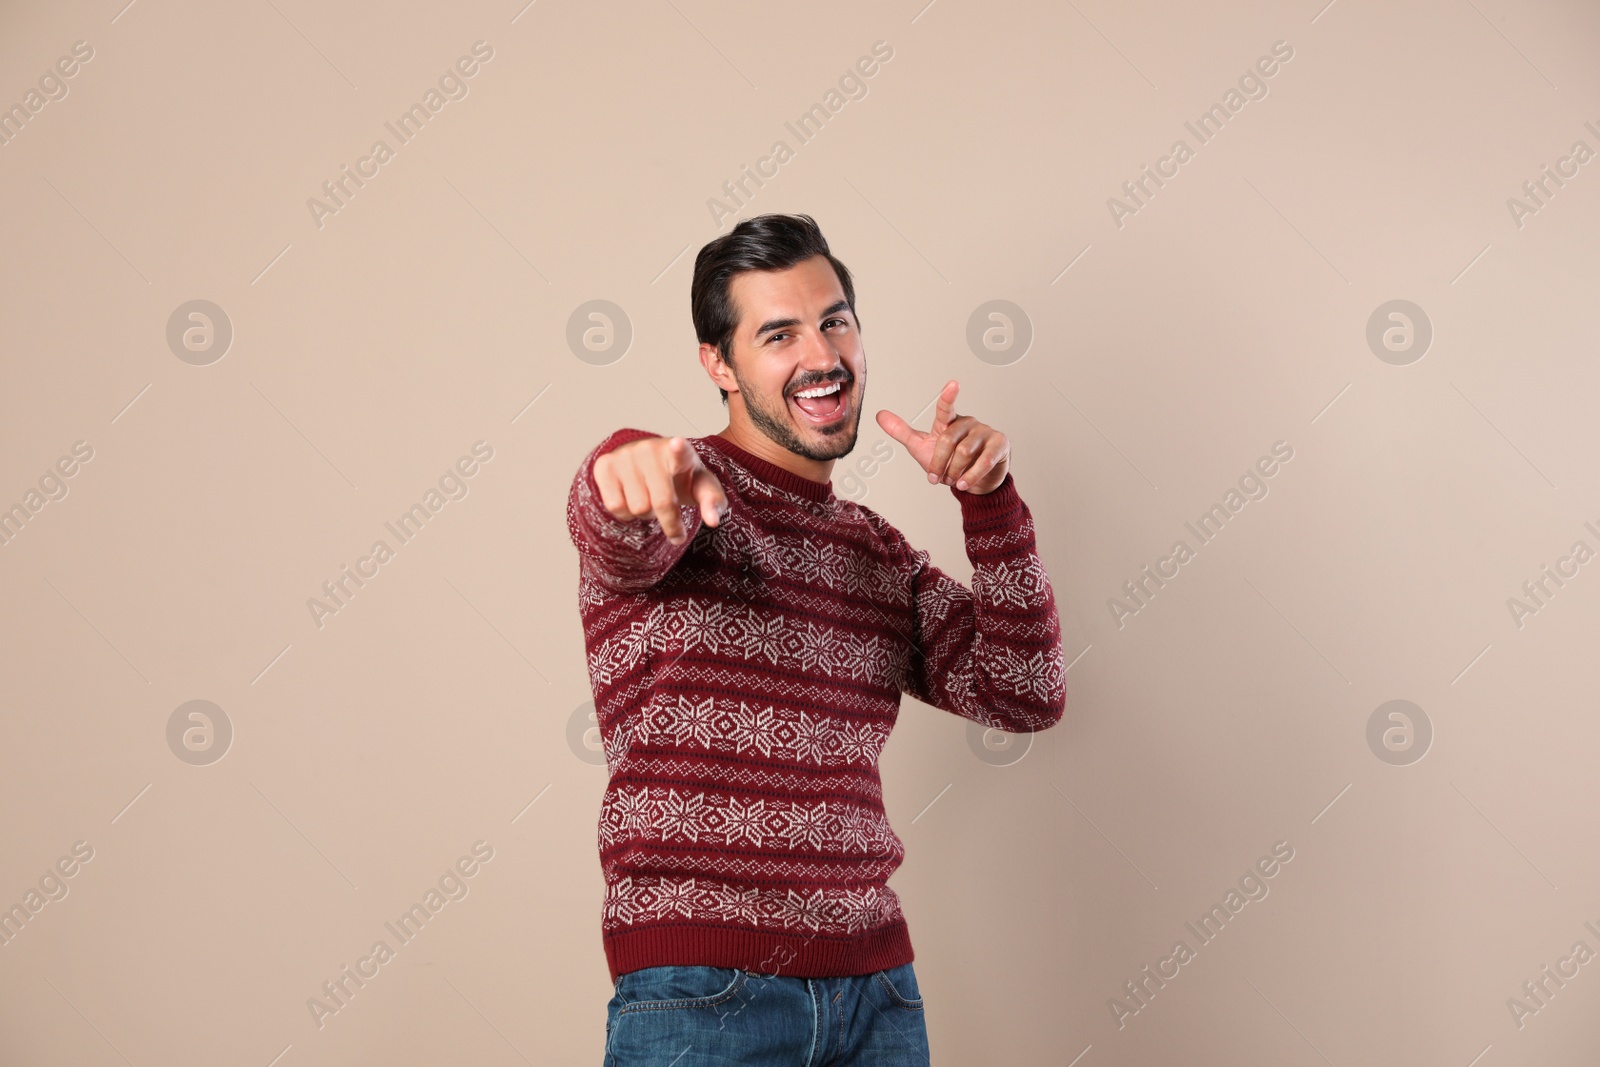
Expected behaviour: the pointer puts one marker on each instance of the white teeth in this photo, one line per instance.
(821, 390)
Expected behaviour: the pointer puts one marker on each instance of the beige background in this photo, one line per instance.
(430, 313)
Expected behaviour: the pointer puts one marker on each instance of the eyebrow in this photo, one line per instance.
(781, 324)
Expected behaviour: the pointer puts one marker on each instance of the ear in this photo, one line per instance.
(717, 369)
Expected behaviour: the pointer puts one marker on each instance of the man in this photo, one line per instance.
(748, 637)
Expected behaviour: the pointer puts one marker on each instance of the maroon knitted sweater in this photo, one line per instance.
(745, 682)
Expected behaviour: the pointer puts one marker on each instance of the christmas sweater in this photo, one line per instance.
(746, 680)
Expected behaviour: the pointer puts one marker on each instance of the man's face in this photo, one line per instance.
(796, 333)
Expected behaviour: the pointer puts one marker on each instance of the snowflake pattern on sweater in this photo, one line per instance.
(746, 681)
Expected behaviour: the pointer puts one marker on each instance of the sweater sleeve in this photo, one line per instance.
(992, 653)
(624, 557)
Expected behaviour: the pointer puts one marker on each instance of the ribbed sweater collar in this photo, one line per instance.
(773, 474)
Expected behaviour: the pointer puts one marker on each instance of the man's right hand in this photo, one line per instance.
(656, 476)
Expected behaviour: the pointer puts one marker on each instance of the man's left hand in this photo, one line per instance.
(959, 450)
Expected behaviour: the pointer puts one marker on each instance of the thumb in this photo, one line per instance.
(708, 493)
(896, 427)
(681, 459)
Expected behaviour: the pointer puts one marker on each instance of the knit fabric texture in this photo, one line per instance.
(745, 682)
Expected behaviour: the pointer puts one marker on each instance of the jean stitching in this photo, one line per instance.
(915, 1022)
(816, 1023)
(838, 1002)
(894, 994)
(688, 1002)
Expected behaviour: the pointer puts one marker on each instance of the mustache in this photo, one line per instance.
(844, 381)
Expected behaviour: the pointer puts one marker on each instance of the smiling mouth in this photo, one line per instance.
(823, 409)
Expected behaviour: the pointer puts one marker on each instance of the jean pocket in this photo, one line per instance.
(666, 988)
(900, 985)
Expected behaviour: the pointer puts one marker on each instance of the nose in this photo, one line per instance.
(821, 360)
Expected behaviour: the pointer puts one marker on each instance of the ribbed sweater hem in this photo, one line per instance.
(759, 951)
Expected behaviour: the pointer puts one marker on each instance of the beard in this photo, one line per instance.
(775, 424)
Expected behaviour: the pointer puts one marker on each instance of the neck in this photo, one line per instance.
(747, 437)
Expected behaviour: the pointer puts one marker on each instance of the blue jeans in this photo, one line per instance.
(699, 1016)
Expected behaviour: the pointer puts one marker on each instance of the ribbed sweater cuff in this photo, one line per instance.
(987, 509)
